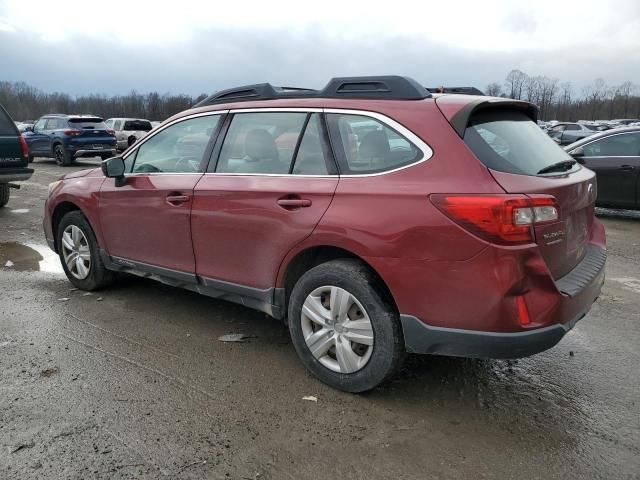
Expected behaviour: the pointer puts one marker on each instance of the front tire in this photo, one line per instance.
(5, 193)
(80, 254)
(62, 156)
(343, 329)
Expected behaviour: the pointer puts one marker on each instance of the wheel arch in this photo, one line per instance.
(313, 256)
(59, 212)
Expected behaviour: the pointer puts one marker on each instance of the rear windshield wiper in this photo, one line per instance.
(562, 166)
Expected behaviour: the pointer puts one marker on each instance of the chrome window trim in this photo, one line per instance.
(425, 149)
(277, 109)
(604, 138)
(151, 135)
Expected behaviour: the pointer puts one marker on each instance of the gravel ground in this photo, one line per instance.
(131, 382)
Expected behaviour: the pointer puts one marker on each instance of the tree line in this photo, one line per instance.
(559, 100)
(25, 102)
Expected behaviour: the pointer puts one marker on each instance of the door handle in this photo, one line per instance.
(627, 168)
(294, 203)
(177, 199)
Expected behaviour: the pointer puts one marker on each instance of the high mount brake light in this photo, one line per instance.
(501, 219)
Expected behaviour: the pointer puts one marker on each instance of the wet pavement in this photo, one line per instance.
(132, 382)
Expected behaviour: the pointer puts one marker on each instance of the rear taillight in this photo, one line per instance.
(24, 147)
(501, 219)
(72, 132)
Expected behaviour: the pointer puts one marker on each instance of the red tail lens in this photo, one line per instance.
(72, 132)
(24, 147)
(523, 311)
(501, 219)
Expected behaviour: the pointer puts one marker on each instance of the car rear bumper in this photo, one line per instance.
(15, 174)
(95, 153)
(422, 338)
(577, 291)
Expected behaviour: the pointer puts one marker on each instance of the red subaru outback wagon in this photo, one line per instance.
(375, 217)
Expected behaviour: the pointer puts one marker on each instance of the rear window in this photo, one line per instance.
(509, 141)
(88, 123)
(137, 125)
(7, 127)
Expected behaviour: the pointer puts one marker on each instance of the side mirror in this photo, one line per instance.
(114, 168)
(28, 128)
(578, 154)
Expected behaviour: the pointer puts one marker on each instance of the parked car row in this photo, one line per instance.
(68, 137)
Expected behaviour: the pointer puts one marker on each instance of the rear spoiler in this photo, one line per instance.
(460, 120)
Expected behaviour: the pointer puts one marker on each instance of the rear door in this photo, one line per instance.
(515, 150)
(616, 161)
(272, 182)
(148, 219)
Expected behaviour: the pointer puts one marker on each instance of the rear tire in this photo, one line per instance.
(5, 193)
(62, 156)
(80, 253)
(355, 354)
(30, 158)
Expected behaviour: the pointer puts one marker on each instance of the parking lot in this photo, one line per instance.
(132, 382)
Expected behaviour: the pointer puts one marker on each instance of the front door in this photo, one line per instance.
(616, 161)
(148, 219)
(38, 140)
(273, 181)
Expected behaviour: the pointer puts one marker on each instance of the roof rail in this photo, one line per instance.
(382, 87)
(460, 90)
(389, 87)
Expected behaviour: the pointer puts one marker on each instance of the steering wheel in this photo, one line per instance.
(146, 168)
(188, 164)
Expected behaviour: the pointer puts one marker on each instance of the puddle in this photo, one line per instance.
(29, 257)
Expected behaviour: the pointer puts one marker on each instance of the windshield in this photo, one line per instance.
(88, 123)
(509, 141)
(137, 125)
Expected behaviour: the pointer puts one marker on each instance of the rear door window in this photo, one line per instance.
(313, 157)
(7, 127)
(509, 141)
(366, 145)
(262, 142)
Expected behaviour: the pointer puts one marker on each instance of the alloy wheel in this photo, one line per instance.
(337, 329)
(76, 253)
(59, 154)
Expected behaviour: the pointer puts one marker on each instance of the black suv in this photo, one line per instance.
(67, 137)
(13, 156)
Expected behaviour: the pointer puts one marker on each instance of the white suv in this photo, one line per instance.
(128, 130)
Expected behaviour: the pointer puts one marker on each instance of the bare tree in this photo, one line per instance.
(625, 90)
(514, 84)
(494, 89)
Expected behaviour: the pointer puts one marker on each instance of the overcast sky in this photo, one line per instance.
(197, 46)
